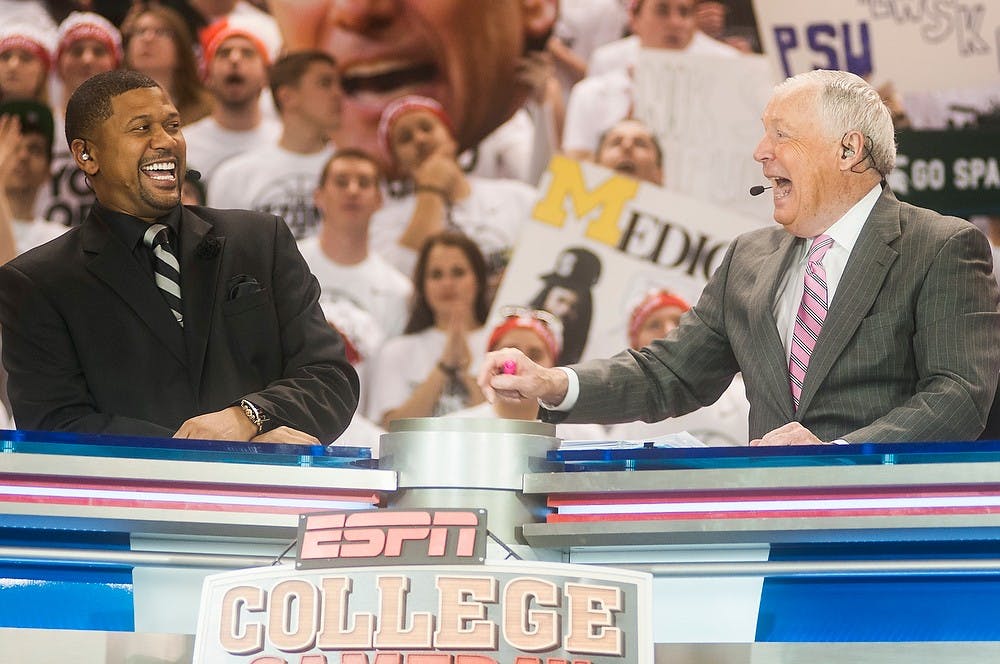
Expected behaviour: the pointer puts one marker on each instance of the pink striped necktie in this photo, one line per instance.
(810, 317)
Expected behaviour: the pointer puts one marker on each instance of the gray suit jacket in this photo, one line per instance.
(910, 350)
(91, 346)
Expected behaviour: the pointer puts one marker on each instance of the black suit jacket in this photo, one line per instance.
(91, 346)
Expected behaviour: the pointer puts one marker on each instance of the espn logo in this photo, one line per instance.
(392, 537)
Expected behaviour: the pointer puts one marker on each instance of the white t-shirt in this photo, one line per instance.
(506, 152)
(271, 179)
(372, 285)
(624, 53)
(492, 215)
(726, 422)
(405, 362)
(29, 234)
(565, 431)
(209, 144)
(586, 25)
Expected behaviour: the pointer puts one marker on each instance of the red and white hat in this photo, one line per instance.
(399, 107)
(654, 300)
(542, 323)
(256, 29)
(88, 25)
(39, 41)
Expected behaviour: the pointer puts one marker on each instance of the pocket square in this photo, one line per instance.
(241, 285)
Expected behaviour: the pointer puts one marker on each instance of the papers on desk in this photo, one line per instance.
(680, 439)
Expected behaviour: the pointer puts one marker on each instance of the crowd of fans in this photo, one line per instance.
(400, 141)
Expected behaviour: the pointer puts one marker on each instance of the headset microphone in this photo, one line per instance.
(757, 189)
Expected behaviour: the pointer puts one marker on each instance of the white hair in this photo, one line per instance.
(849, 103)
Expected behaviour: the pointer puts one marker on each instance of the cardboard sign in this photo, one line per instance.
(919, 45)
(598, 241)
(514, 612)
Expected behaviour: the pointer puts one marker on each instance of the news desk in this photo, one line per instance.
(848, 553)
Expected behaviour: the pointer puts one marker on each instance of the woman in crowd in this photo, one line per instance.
(429, 370)
(158, 44)
(537, 334)
(25, 59)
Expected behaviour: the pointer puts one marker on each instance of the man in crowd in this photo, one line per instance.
(347, 196)
(236, 58)
(151, 319)
(860, 319)
(463, 54)
(630, 148)
(26, 136)
(279, 177)
(606, 95)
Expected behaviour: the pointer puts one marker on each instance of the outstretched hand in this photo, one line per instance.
(509, 375)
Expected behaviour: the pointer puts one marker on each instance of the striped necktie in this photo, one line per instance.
(166, 269)
(810, 317)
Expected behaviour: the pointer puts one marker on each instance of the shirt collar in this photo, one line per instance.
(845, 231)
(130, 229)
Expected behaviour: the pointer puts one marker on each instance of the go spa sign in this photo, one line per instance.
(424, 595)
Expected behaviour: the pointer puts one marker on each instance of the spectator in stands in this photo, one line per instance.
(235, 58)
(723, 423)
(430, 369)
(25, 59)
(87, 44)
(26, 136)
(306, 91)
(347, 196)
(582, 27)
(631, 148)
(605, 96)
(416, 133)
(463, 54)
(537, 334)
(158, 44)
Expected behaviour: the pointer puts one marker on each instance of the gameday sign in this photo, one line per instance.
(514, 612)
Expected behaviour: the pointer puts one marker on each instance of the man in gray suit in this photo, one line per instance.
(889, 333)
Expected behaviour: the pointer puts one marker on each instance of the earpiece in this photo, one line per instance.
(85, 156)
(848, 152)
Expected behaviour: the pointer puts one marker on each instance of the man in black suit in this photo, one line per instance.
(89, 339)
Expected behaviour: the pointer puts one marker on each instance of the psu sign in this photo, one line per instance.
(410, 596)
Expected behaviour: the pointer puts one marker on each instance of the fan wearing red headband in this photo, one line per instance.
(537, 334)
(416, 134)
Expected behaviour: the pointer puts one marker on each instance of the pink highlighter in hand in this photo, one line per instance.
(509, 367)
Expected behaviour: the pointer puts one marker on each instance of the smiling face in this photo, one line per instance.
(803, 162)
(137, 155)
(462, 53)
(449, 282)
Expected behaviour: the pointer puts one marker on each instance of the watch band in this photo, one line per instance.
(258, 417)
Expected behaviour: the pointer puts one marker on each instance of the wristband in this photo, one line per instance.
(433, 190)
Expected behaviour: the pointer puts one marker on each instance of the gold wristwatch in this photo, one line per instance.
(254, 414)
